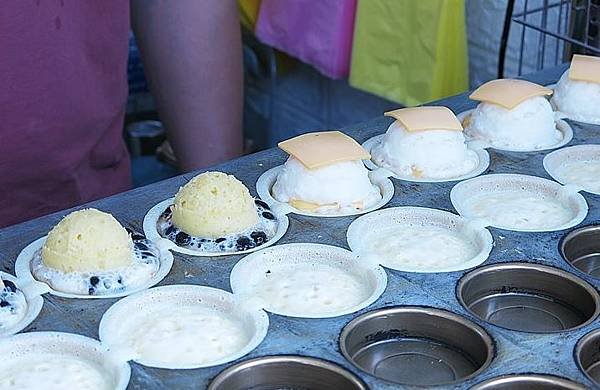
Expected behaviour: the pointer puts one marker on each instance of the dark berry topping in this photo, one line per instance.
(4, 303)
(261, 203)
(259, 237)
(135, 236)
(182, 238)
(141, 246)
(10, 285)
(91, 291)
(120, 280)
(94, 280)
(169, 230)
(268, 215)
(219, 240)
(167, 213)
(244, 243)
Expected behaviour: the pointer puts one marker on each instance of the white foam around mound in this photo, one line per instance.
(418, 239)
(183, 327)
(265, 183)
(23, 272)
(308, 280)
(34, 303)
(576, 165)
(575, 99)
(519, 202)
(150, 230)
(55, 360)
(482, 155)
(563, 127)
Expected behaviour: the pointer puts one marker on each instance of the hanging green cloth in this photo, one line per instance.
(410, 51)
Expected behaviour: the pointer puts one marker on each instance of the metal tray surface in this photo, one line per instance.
(516, 352)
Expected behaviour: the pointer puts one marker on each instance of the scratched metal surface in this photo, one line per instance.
(517, 352)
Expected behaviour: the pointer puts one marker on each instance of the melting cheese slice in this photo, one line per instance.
(585, 68)
(508, 93)
(315, 150)
(426, 118)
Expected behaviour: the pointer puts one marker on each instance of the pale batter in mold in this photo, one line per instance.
(309, 290)
(51, 372)
(185, 335)
(519, 210)
(421, 247)
(585, 174)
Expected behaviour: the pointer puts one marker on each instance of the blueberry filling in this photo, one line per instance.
(244, 243)
(262, 204)
(4, 303)
(182, 238)
(94, 280)
(10, 286)
(268, 215)
(141, 246)
(258, 235)
(135, 236)
(259, 238)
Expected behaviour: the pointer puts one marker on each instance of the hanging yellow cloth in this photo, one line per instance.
(249, 12)
(410, 51)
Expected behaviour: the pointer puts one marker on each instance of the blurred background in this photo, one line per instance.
(322, 65)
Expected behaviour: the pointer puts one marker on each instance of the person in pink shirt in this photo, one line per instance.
(63, 90)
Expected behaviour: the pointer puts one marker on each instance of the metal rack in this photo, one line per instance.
(554, 30)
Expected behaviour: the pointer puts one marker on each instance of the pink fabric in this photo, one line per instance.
(317, 32)
(62, 97)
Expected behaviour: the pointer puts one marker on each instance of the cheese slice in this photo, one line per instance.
(426, 118)
(309, 206)
(315, 150)
(508, 93)
(585, 68)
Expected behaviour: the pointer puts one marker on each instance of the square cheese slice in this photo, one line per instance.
(426, 118)
(585, 68)
(508, 93)
(315, 150)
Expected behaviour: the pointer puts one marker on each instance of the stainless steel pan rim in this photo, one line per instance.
(279, 362)
(411, 328)
(574, 241)
(587, 357)
(569, 301)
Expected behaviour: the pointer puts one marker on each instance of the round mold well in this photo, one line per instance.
(528, 297)
(286, 372)
(420, 346)
(519, 203)
(581, 249)
(587, 355)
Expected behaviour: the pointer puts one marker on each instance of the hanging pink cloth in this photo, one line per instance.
(316, 32)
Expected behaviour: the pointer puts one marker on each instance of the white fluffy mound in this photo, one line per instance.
(434, 154)
(528, 126)
(342, 187)
(580, 100)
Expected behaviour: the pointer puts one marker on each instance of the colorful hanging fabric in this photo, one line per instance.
(316, 32)
(410, 51)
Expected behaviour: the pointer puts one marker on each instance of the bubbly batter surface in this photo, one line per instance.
(185, 335)
(513, 209)
(585, 174)
(51, 372)
(421, 247)
(303, 288)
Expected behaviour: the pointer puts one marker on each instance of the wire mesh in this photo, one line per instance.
(547, 33)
